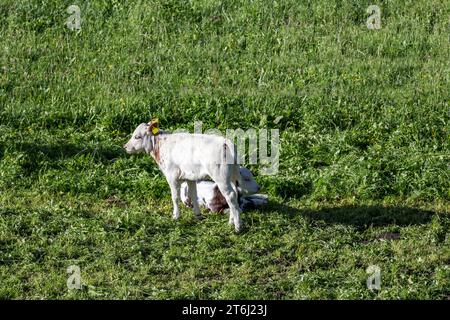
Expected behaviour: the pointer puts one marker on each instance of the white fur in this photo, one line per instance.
(192, 157)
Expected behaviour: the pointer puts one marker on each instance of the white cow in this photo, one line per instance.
(191, 157)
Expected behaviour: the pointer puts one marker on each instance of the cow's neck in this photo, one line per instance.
(156, 149)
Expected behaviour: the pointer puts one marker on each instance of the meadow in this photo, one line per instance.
(364, 122)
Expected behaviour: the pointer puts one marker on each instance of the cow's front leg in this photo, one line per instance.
(175, 191)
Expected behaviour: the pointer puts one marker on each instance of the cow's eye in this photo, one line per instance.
(137, 137)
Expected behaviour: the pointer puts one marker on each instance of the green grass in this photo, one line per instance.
(364, 173)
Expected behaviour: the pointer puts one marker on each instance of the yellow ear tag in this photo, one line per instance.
(153, 126)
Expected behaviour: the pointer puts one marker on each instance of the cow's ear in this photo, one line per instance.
(153, 126)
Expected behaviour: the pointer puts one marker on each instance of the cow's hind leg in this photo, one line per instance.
(228, 192)
(192, 187)
(231, 218)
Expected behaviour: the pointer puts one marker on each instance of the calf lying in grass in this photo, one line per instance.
(209, 196)
(190, 158)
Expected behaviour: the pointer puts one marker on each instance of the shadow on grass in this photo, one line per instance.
(360, 217)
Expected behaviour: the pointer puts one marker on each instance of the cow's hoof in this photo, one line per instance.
(199, 217)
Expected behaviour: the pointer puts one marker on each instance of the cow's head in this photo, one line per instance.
(142, 138)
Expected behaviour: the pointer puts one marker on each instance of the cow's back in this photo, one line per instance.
(200, 149)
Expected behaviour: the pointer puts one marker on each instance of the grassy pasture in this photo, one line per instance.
(364, 173)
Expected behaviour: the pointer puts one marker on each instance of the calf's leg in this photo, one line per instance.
(231, 218)
(192, 189)
(227, 190)
(175, 191)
